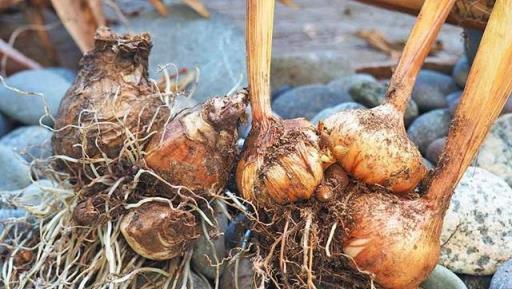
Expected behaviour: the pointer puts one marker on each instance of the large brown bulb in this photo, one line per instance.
(197, 149)
(395, 240)
(110, 99)
(281, 162)
(158, 232)
(372, 146)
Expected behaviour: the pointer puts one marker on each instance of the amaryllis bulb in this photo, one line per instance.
(197, 149)
(372, 146)
(397, 239)
(281, 162)
(394, 239)
(159, 232)
(110, 100)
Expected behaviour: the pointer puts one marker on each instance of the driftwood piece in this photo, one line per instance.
(198, 6)
(385, 69)
(15, 55)
(80, 21)
(467, 13)
(4, 4)
(159, 7)
(34, 15)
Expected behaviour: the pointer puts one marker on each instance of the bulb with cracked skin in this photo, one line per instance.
(110, 96)
(281, 163)
(372, 146)
(159, 232)
(197, 149)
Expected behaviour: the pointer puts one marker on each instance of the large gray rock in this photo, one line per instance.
(332, 110)
(307, 101)
(198, 282)
(431, 89)
(31, 142)
(429, 127)
(245, 272)
(208, 253)
(28, 109)
(372, 94)
(235, 231)
(214, 45)
(14, 171)
(496, 152)
(460, 71)
(477, 231)
(471, 42)
(65, 73)
(5, 125)
(307, 68)
(344, 83)
(453, 100)
(442, 278)
(503, 277)
(435, 149)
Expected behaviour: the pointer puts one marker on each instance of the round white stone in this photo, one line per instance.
(477, 233)
(496, 152)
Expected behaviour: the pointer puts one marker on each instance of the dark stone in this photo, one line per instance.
(234, 234)
(332, 110)
(476, 282)
(372, 94)
(306, 101)
(460, 71)
(431, 89)
(435, 149)
(429, 127)
(471, 42)
(31, 142)
(280, 90)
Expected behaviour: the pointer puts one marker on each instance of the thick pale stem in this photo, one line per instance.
(259, 27)
(487, 89)
(467, 13)
(424, 33)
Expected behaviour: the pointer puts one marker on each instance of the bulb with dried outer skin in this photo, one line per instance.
(372, 146)
(158, 232)
(394, 239)
(197, 149)
(110, 96)
(281, 162)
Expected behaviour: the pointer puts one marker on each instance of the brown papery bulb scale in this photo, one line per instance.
(396, 239)
(159, 232)
(197, 148)
(372, 145)
(282, 161)
(110, 101)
